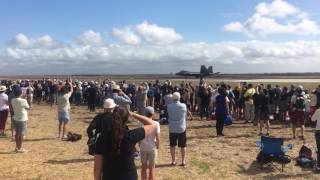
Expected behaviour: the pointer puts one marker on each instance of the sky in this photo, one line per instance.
(152, 37)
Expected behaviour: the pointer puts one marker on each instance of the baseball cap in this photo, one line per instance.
(148, 110)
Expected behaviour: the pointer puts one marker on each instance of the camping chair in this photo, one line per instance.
(273, 151)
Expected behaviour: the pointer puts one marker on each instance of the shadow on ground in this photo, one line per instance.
(69, 161)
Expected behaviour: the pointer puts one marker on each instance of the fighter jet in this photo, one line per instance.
(204, 72)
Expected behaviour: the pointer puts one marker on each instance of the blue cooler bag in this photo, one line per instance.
(228, 120)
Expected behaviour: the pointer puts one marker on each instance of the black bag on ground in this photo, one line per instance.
(73, 137)
(305, 159)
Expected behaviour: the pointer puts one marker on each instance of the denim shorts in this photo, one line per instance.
(20, 127)
(63, 117)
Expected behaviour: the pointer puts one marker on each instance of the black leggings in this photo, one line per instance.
(220, 123)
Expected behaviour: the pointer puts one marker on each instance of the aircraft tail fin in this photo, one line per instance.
(203, 69)
(210, 70)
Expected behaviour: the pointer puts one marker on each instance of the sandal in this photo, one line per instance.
(173, 163)
(183, 164)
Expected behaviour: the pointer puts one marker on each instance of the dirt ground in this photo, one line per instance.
(208, 157)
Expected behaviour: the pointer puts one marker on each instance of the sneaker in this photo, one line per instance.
(21, 150)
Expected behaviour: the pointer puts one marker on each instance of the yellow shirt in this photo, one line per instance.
(249, 94)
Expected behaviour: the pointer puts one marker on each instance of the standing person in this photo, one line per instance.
(120, 98)
(284, 104)
(4, 109)
(11, 96)
(177, 113)
(149, 148)
(20, 108)
(316, 92)
(221, 109)
(151, 93)
(64, 108)
(205, 100)
(316, 117)
(297, 108)
(236, 92)
(113, 157)
(29, 94)
(249, 107)
(92, 97)
(261, 100)
(141, 99)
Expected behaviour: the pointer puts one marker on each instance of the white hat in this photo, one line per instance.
(109, 104)
(176, 96)
(116, 87)
(300, 87)
(3, 88)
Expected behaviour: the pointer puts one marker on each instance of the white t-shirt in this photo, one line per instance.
(20, 107)
(149, 142)
(3, 102)
(63, 102)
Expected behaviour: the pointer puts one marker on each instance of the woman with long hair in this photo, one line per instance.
(113, 157)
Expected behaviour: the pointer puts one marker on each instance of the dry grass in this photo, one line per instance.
(208, 157)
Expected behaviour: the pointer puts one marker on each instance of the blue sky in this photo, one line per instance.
(192, 22)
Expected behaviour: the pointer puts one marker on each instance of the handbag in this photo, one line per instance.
(228, 120)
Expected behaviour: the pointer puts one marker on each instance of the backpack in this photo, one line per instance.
(305, 151)
(305, 159)
(300, 102)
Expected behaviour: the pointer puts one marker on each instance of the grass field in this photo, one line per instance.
(208, 157)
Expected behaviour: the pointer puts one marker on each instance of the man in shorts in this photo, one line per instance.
(177, 113)
(297, 111)
(64, 95)
(149, 148)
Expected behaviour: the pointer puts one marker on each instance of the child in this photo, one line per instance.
(148, 147)
(20, 108)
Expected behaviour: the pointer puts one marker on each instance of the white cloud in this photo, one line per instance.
(22, 41)
(248, 56)
(146, 32)
(153, 33)
(278, 17)
(90, 38)
(126, 35)
(233, 27)
(278, 8)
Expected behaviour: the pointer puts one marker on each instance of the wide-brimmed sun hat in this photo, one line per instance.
(3, 88)
(109, 104)
(116, 87)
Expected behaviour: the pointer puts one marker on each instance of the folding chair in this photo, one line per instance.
(273, 151)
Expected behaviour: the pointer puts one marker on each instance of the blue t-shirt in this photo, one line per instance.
(221, 105)
(177, 117)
